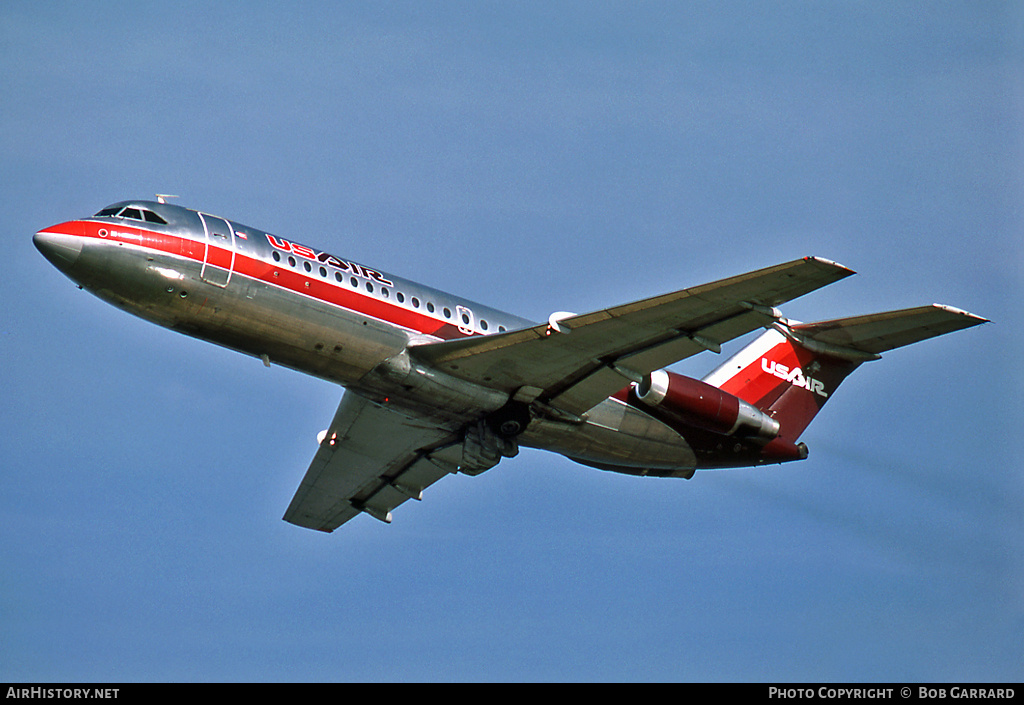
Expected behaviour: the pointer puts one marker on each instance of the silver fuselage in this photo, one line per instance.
(318, 313)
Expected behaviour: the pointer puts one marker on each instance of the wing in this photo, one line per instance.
(572, 366)
(371, 459)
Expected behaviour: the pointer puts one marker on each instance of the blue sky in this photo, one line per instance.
(538, 157)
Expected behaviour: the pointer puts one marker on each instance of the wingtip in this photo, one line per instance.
(831, 263)
(973, 318)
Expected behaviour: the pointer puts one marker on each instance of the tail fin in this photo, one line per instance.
(792, 369)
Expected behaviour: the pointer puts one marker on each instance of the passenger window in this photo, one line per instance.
(415, 302)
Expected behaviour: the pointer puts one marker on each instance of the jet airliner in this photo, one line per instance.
(436, 384)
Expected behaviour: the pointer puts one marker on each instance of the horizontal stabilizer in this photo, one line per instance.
(878, 332)
(792, 369)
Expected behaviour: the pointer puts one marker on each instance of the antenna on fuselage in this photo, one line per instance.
(161, 196)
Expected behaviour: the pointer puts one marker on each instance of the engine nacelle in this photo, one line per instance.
(698, 404)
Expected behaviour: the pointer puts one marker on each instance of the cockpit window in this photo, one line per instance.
(133, 213)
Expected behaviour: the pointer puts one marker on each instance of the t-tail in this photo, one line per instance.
(792, 369)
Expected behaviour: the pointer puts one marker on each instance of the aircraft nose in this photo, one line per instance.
(62, 250)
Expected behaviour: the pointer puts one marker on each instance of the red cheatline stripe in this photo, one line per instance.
(336, 294)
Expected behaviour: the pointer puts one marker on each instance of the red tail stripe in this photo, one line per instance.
(753, 384)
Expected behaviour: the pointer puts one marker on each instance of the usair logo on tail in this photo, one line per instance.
(794, 376)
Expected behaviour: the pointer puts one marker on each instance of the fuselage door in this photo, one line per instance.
(219, 258)
(465, 320)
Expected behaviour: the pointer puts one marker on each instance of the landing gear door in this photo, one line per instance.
(219, 257)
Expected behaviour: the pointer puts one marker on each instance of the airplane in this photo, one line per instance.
(436, 384)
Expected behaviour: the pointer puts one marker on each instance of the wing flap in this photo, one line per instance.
(606, 379)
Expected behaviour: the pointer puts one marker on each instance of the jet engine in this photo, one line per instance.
(698, 404)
